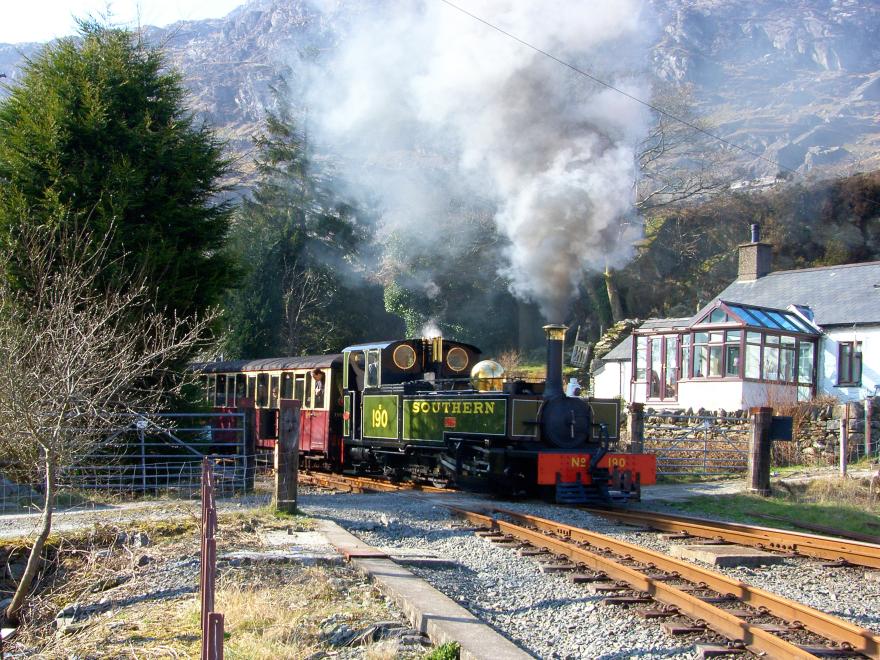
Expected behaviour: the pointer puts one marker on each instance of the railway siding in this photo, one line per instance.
(574, 540)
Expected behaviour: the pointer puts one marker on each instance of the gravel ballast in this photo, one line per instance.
(547, 615)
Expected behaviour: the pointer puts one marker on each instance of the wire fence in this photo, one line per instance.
(158, 457)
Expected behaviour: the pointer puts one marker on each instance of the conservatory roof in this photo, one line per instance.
(766, 318)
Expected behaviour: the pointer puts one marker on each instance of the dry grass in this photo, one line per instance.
(270, 614)
(271, 611)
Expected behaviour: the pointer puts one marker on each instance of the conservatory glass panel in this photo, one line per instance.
(771, 363)
(805, 362)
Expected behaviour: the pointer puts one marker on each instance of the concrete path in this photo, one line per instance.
(429, 610)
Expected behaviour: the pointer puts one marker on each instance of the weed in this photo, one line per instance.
(447, 651)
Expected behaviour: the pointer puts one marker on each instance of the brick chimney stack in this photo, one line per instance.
(754, 257)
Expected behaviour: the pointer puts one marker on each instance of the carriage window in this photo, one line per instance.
(211, 389)
(263, 390)
(287, 385)
(308, 401)
(299, 392)
(273, 392)
(220, 399)
(252, 387)
(230, 390)
(240, 387)
(319, 377)
(373, 357)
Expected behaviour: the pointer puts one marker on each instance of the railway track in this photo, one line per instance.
(829, 548)
(832, 549)
(350, 484)
(750, 618)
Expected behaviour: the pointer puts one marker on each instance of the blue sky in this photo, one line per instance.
(42, 20)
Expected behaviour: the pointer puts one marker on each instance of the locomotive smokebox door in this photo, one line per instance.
(565, 423)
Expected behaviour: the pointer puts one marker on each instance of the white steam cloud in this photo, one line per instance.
(427, 104)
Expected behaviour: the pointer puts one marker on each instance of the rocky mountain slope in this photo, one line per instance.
(797, 81)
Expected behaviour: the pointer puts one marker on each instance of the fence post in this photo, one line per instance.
(249, 445)
(759, 451)
(869, 414)
(287, 456)
(844, 438)
(636, 424)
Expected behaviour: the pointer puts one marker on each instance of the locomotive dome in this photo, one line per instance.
(487, 376)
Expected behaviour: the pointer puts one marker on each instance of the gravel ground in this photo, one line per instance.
(544, 613)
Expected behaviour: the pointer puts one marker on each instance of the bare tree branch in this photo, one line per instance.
(77, 358)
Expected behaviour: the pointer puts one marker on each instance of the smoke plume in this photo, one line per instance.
(426, 104)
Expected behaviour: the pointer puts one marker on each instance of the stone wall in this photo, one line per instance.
(817, 430)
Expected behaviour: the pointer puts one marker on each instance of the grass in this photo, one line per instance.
(448, 651)
(279, 611)
(270, 613)
(843, 504)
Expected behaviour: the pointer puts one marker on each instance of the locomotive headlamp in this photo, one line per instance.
(487, 376)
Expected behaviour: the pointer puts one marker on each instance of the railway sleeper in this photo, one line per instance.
(807, 642)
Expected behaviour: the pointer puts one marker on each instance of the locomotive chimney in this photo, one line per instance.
(555, 340)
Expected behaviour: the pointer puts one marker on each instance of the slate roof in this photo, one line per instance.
(838, 295)
(620, 353)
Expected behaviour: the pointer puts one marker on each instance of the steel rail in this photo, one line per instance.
(574, 543)
(363, 484)
(767, 538)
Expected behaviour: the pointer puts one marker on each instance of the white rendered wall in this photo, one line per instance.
(721, 394)
(612, 380)
(870, 338)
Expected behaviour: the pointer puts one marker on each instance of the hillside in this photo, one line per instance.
(793, 81)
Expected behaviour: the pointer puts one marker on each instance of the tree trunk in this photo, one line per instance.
(613, 296)
(33, 565)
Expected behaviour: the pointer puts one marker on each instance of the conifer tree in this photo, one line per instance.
(97, 134)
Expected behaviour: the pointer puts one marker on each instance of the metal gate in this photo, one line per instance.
(701, 445)
(164, 453)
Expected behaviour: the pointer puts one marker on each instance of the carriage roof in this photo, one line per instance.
(269, 364)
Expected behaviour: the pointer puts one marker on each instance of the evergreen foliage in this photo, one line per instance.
(97, 135)
(305, 289)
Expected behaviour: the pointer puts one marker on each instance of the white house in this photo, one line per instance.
(768, 338)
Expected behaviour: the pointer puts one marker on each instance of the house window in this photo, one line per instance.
(805, 362)
(849, 363)
(671, 382)
(753, 355)
(662, 357)
(641, 359)
(656, 367)
(685, 353)
(701, 354)
(708, 354)
(786, 358)
(732, 352)
(770, 366)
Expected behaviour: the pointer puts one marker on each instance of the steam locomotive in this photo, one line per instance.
(431, 410)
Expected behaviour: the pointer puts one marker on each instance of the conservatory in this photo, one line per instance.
(730, 356)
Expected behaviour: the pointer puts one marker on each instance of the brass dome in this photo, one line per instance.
(487, 376)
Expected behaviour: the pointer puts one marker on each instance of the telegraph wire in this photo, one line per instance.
(647, 104)
(608, 85)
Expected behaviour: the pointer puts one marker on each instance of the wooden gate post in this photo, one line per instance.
(287, 456)
(844, 438)
(759, 451)
(636, 424)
